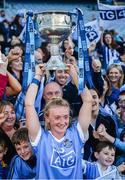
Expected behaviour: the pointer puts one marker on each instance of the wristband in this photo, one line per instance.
(35, 81)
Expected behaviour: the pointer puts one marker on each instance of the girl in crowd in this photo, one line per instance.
(15, 67)
(9, 86)
(16, 26)
(44, 51)
(115, 76)
(16, 63)
(62, 153)
(109, 86)
(107, 49)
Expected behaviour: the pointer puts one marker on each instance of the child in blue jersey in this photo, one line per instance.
(105, 155)
(3, 165)
(58, 147)
(23, 165)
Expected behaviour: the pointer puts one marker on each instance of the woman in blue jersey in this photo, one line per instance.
(58, 148)
(106, 48)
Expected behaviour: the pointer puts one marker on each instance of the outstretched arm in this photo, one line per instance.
(84, 118)
(73, 73)
(14, 86)
(117, 142)
(101, 134)
(32, 120)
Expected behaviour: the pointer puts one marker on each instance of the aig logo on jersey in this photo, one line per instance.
(59, 160)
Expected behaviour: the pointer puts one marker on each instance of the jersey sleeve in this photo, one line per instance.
(39, 134)
(84, 136)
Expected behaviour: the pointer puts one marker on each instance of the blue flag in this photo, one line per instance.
(29, 65)
(83, 61)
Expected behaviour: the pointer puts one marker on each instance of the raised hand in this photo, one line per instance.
(86, 96)
(96, 65)
(14, 54)
(121, 167)
(100, 133)
(39, 71)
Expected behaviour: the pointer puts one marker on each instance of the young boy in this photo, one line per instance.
(3, 165)
(105, 155)
(23, 165)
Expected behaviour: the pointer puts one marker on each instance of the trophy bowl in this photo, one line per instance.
(54, 27)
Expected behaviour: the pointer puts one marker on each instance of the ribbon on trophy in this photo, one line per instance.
(83, 57)
(29, 65)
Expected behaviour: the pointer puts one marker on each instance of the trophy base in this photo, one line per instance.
(54, 63)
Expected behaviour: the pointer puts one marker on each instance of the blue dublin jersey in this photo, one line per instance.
(19, 169)
(59, 159)
(92, 170)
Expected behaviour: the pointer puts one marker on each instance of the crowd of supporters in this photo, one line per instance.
(74, 136)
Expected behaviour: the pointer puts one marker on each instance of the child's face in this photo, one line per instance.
(2, 152)
(24, 150)
(105, 157)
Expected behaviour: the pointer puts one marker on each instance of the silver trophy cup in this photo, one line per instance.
(54, 27)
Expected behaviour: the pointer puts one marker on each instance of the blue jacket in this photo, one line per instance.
(19, 169)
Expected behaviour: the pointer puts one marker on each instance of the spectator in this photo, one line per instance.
(9, 125)
(98, 116)
(51, 90)
(116, 76)
(105, 155)
(11, 150)
(44, 50)
(68, 80)
(22, 165)
(107, 49)
(119, 143)
(16, 26)
(10, 86)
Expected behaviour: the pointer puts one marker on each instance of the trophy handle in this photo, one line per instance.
(73, 16)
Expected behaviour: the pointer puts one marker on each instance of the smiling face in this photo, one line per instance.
(61, 77)
(108, 39)
(52, 90)
(10, 116)
(58, 119)
(114, 75)
(105, 157)
(24, 150)
(96, 100)
(17, 64)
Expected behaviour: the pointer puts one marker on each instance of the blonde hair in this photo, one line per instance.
(119, 68)
(54, 102)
